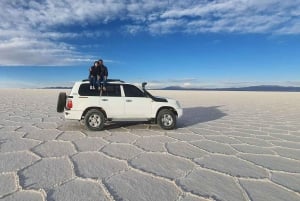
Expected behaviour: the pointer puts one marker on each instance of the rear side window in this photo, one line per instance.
(84, 90)
(132, 91)
(111, 90)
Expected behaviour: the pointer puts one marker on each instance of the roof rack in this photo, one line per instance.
(108, 80)
(114, 80)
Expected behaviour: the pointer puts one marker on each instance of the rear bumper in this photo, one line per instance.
(72, 114)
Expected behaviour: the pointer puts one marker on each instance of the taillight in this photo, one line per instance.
(69, 104)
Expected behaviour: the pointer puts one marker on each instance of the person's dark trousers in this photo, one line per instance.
(102, 82)
(93, 81)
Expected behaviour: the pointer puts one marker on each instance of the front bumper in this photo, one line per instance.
(179, 112)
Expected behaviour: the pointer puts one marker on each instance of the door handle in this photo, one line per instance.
(128, 100)
(104, 99)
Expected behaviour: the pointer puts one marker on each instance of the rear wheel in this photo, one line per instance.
(94, 120)
(61, 102)
(166, 119)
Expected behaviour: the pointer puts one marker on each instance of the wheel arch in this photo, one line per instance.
(97, 108)
(165, 107)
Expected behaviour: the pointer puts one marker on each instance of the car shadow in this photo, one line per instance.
(195, 115)
(127, 125)
(191, 116)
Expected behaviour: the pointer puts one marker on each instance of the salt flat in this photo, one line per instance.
(230, 146)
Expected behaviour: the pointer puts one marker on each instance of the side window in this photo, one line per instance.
(112, 90)
(132, 91)
(84, 90)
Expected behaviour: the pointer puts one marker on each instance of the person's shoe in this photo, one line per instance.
(91, 87)
(104, 89)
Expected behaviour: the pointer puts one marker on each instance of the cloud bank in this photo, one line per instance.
(207, 84)
(31, 31)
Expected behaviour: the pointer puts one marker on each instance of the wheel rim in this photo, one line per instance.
(167, 120)
(94, 120)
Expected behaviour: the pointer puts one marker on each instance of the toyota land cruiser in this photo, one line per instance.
(119, 102)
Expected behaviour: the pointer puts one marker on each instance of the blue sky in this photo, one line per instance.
(192, 43)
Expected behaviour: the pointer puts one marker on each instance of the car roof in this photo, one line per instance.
(110, 81)
(107, 81)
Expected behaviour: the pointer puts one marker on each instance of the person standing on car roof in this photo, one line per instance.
(102, 75)
(93, 75)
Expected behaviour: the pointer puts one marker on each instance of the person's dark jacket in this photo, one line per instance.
(93, 71)
(103, 71)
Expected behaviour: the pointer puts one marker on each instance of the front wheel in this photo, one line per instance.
(166, 119)
(94, 120)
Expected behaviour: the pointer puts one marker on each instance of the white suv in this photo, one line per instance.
(119, 102)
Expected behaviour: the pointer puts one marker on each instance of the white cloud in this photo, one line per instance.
(255, 16)
(166, 26)
(24, 51)
(24, 15)
(35, 22)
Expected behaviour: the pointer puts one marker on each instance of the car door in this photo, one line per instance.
(112, 100)
(137, 105)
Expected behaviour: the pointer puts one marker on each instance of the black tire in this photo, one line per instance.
(166, 119)
(61, 102)
(94, 120)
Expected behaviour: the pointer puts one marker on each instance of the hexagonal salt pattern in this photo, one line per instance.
(78, 190)
(47, 173)
(228, 146)
(8, 184)
(136, 186)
